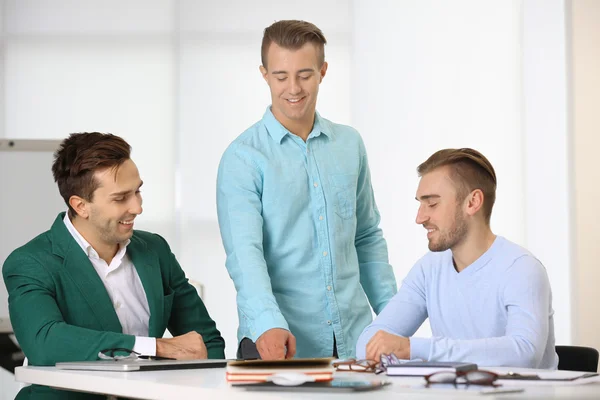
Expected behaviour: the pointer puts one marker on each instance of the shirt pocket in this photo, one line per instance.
(344, 188)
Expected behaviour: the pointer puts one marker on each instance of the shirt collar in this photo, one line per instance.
(85, 246)
(278, 131)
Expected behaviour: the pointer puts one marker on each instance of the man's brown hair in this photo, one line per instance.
(470, 170)
(293, 34)
(80, 156)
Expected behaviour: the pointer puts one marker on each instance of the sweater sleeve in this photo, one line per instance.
(403, 315)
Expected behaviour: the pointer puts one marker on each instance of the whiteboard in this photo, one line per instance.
(29, 198)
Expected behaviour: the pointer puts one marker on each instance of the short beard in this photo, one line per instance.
(454, 236)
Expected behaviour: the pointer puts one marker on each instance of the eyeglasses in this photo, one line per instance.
(477, 377)
(112, 354)
(368, 365)
(356, 365)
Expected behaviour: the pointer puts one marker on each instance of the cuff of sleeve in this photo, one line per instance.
(420, 348)
(145, 345)
(265, 321)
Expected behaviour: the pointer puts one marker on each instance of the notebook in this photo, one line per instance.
(259, 370)
(140, 365)
(423, 368)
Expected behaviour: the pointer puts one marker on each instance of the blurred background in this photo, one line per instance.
(179, 80)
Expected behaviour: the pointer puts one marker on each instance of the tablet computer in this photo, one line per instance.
(140, 365)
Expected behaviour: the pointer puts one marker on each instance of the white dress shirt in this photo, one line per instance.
(125, 290)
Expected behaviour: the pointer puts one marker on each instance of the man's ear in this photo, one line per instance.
(474, 202)
(323, 71)
(263, 72)
(80, 206)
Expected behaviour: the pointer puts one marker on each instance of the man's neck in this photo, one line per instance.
(105, 251)
(477, 241)
(300, 128)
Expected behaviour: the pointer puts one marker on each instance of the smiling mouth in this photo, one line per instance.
(430, 231)
(126, 222)
(295, 101)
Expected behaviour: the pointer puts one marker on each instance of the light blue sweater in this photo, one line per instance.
(496, 312)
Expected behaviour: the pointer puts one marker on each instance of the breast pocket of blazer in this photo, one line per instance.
(344, 188)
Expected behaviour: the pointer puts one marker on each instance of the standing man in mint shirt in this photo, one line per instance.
(488, 300)
(298, 217)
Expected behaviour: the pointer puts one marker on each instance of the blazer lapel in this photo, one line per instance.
(77, 264)
(147, 265)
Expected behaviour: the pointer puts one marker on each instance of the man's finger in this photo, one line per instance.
(371, 346)
(291, 346)
(278, 354)
(373, 350)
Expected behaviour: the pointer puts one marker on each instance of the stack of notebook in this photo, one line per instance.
(320, 369)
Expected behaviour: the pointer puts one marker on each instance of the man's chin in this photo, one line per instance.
(436, 247)
(123, 237)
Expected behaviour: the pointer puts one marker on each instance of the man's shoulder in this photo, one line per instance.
(248, 141)
(346, 131)
(432, 263)
(435, 258)
(39, 245)
(251, 135)
(37, 251)
(146, 238)
(510, 255)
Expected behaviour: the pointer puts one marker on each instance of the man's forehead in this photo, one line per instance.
(118, 176)
(281, 57)
(437, 182)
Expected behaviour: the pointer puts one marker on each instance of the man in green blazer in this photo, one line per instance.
(92, 282)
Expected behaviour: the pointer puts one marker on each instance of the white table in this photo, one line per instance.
(210, 383)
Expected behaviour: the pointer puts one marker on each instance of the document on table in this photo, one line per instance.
(548, 378)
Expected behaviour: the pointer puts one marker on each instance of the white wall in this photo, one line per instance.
(547, 153)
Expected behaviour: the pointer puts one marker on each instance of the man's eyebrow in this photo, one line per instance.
(124, 192)
(300, 71)
(428, 197)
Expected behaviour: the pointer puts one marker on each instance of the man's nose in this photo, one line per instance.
(421, 217)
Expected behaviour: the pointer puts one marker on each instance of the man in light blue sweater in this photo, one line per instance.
(488, 300)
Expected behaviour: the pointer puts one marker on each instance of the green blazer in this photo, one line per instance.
(60, 310)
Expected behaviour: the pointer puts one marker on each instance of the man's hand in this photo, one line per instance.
(272, 344)
(185, 347)
(385, 343)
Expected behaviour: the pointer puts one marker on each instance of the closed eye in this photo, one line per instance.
(432, 205)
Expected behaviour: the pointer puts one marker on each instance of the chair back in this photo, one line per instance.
(577, 358)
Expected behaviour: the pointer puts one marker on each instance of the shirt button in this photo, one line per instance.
(324, 254)
(320, 218)
(315, 184)
(117, 305)
(328, 322)
(328, 287)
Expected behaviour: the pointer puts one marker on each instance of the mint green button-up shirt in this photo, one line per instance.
(301, 231)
